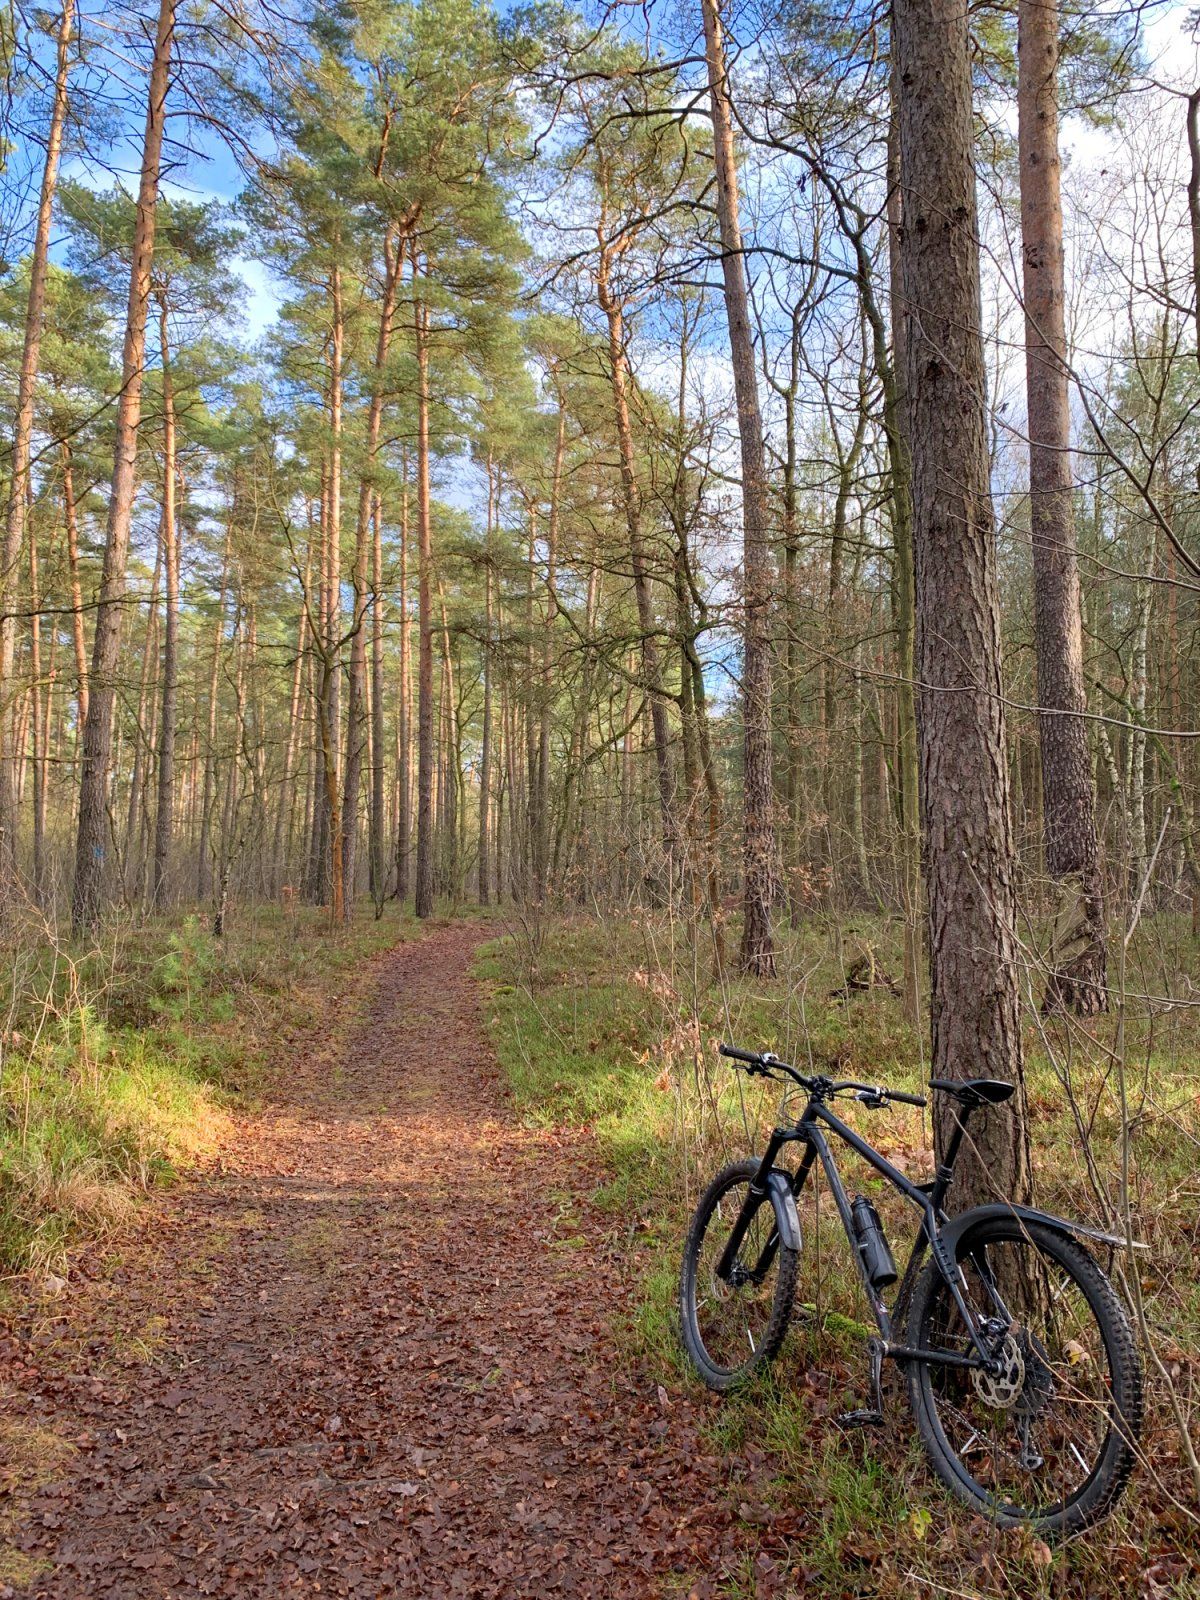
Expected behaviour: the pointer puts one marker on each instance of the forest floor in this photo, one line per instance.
(369, 1351)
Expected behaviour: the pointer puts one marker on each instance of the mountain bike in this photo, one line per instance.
(1022, 1371)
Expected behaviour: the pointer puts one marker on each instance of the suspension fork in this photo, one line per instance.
(757, 1193)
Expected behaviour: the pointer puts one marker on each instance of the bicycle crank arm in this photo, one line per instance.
(869, 1416)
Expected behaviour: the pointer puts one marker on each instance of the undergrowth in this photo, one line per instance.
(119, 1062)
(614, 1025)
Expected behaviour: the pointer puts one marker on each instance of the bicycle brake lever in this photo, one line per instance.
(875, 1098)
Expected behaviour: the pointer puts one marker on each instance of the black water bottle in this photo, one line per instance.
(872, 1243)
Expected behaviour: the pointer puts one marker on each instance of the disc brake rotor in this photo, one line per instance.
(1001, 1390)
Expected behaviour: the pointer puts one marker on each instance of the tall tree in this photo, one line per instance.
(1077, 954)
(974, 1001)
(19, 483)
(758, 831)
(97, 736)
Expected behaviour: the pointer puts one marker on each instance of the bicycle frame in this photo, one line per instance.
(927, 1197)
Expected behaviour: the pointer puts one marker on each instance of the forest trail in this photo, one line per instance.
(370, 1355)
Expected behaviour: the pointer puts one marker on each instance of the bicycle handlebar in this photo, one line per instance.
(769, 1066)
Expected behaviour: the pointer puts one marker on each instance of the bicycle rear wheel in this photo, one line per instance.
(1049, 1439)
(733, 1326)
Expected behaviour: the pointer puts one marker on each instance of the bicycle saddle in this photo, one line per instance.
(975, 1091)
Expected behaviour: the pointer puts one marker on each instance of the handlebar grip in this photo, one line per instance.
(733, 1054)
(908, 1099)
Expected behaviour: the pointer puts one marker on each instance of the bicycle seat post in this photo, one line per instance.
(945, 1170)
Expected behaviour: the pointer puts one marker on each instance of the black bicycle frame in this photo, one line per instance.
(927, 1197)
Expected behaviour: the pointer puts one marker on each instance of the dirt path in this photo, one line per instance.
(366, 1358)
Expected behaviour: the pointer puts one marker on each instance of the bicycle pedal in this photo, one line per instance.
(863, 1418)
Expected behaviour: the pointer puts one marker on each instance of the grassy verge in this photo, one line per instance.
(119, 1063)
(613, 1026)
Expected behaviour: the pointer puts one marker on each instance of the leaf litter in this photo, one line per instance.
(373, 1373)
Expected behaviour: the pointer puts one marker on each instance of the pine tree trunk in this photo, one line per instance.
(164, 819)
(71, 518)
(142, 741)
(545, 691)
(1077, 958)
(485, 755)
(425, 753)
(97, 733)
(19, 479)
(896, 427)
(1193, 194)
(758, 828)
(282, 845)
(377, 820)
(651, 669)
(404, 717)
(208, 798)
(39, 725)
(356, 702)
(974, 1000)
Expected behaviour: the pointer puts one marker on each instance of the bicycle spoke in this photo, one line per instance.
(1030, 1433)
(733, 1314)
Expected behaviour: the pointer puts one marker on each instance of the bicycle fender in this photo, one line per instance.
(787, 1218)
(954, 1230)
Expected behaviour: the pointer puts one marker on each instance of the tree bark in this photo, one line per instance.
(485, 755)
(424, 873)
(1193, 191)
(404, 718)
(281, 850)
(1076, 978)
(164, 818)
(758, 826)
(18, 491)
(378, 871)
(610, 305)
(40, 725)
(896, 427)
(974, 1004)
(97, 733)
(71, 518)
(209, 793)
(356, 702)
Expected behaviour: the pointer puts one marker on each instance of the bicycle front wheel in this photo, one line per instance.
(734, 1324)
(1049, 1438)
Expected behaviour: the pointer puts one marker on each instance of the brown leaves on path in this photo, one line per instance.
(351, 1360)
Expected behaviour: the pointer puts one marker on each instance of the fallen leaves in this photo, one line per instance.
(373, 1373)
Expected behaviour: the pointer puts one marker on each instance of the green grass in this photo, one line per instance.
(120, 1064)
(613, 1025)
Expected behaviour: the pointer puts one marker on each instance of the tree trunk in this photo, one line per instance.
(1193, 192)
(208, 797)
(18, 490)
(280, 853)
(356, 703)
(974, 1002)
(142, 738)
(485, 755)
(424, 874)
(40, 724)
(378, 871)
(896, 427)
(331, 650)
(77, 635)
(1076, 978)
(97, 734)
(164, 818)
(758, 828)
(404, 717)
(651, 669)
